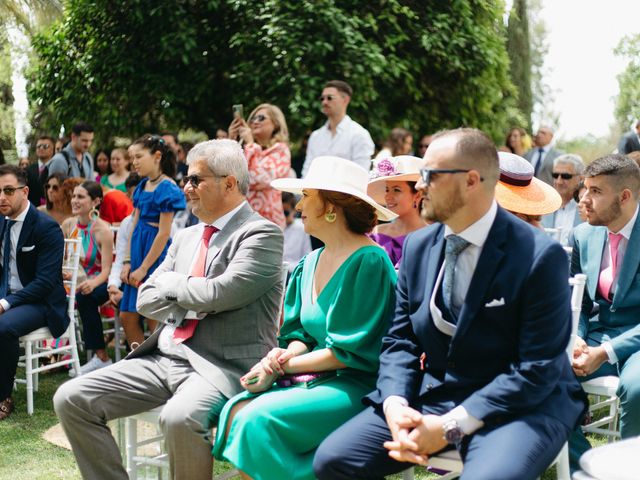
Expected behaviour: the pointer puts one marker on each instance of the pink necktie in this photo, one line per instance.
(608, 275)
(185, 331)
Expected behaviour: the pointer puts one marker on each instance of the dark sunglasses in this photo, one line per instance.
(43, 146)
(52, 187)
(427, 173)
(564, 176)
(9, 191)
(258, 119)
(328, 98)
(195, 180)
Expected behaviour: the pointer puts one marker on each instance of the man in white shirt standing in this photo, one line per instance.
(567, 174)
(542, 155)
(340, 135)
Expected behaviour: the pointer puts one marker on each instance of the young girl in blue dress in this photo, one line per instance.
(156, 199)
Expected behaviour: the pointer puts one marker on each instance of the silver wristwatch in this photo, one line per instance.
(452, 432)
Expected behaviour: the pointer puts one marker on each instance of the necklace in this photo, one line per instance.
(154, 180)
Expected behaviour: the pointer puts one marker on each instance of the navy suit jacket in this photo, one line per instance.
(503, 361)
(40, 251)
(628, 143)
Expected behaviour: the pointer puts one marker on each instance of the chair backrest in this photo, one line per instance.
(577, 283)
(70, 265)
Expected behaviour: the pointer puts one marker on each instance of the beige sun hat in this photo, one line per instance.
(403, 168)
(337, 175)
(520, 192)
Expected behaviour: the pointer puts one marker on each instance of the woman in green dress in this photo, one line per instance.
(337, 308)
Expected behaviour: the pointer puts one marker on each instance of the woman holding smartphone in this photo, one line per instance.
(266, 146)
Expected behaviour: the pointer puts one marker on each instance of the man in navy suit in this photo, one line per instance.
(31, 291)
(475, 357)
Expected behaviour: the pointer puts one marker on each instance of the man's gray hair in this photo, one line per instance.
(571, 159)
(223, 157)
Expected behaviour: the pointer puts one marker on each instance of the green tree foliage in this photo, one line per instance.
(143, 65)
(519, 50)
(7, 129)
(628, 100)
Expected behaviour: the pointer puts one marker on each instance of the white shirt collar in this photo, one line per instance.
(344, 123)
(221, 222)
(21, 217)
(477, 232)
(628, 228)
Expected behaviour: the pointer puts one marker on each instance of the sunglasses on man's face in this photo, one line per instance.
(328, 98)
(427, 173)
(195, 179)
(10, 191)
(43, 146)
(53, 188)
(258, 119)
(564, 176)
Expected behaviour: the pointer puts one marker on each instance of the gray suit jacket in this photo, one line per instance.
(239, 298)
(545, 171)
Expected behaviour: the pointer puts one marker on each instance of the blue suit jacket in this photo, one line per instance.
(40, 251)
(620, 320)
(503, 361)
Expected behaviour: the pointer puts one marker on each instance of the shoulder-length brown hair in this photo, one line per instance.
(280, 130)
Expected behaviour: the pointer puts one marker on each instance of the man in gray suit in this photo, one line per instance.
(218, 294)
(542, 155)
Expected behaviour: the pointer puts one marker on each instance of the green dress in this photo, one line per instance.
(104, 180)
(275, 436)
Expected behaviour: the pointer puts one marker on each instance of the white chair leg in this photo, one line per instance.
(116, 335)
(562, 465)
(34, 366)
(131, 439)
(28, 348)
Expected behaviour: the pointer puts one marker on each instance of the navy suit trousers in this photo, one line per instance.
(520, 449)
(14, 323)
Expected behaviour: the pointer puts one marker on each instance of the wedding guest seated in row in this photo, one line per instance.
(218, 293)
(522, 194)
(337, 308)
(568, 170)
(475, 356)
(58, 199)
(394, 185)
(297, 242)
(96, 255)
(118, 170)
(607, 250)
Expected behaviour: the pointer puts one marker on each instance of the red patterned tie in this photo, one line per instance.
(608, 275)
(185, 331)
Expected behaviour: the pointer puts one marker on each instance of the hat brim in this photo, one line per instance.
(537, 198)
(376, 188)
(296, 185)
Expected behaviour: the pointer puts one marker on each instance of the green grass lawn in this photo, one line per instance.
(27, 456)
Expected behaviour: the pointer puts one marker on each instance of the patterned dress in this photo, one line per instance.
(266, 165)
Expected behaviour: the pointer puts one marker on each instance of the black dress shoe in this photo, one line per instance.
(6, 407)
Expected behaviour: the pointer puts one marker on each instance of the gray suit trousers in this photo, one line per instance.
(84, 406)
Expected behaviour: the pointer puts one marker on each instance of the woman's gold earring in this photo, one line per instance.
(330, 217)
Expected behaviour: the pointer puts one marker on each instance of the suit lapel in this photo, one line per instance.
(630, 264)
(27, 227)
(595, 250)
(433, 263)
(490, 258)
(223, 235)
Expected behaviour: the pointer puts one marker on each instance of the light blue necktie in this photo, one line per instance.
(453, 247)
(6, 258)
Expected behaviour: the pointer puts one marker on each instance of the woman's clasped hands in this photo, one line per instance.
(262, 375)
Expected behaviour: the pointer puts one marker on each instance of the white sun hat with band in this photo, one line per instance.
(402, 168)
(337, 175)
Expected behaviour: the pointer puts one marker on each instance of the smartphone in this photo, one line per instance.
(238, 111)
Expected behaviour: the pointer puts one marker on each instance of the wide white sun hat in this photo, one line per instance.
(337, 175)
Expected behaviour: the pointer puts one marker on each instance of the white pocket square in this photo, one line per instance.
(28, 249)
(496, 302)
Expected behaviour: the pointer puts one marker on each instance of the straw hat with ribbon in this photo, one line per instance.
(403, 168)
(337, 175)
(520, 192)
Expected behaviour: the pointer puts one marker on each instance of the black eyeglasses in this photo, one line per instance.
(328, 98)
(427, 173)
(258, 118)
(43, 146)
(195, 180)
(9, 191)
(53, 188)
(564, 176)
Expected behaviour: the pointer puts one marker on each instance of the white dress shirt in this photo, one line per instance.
(606, 261)
(14, 279)
(124, 232)
(564, 218)
(536, 155)
(476, 234)
(351, 141)
(165, 341)
(296, 244)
